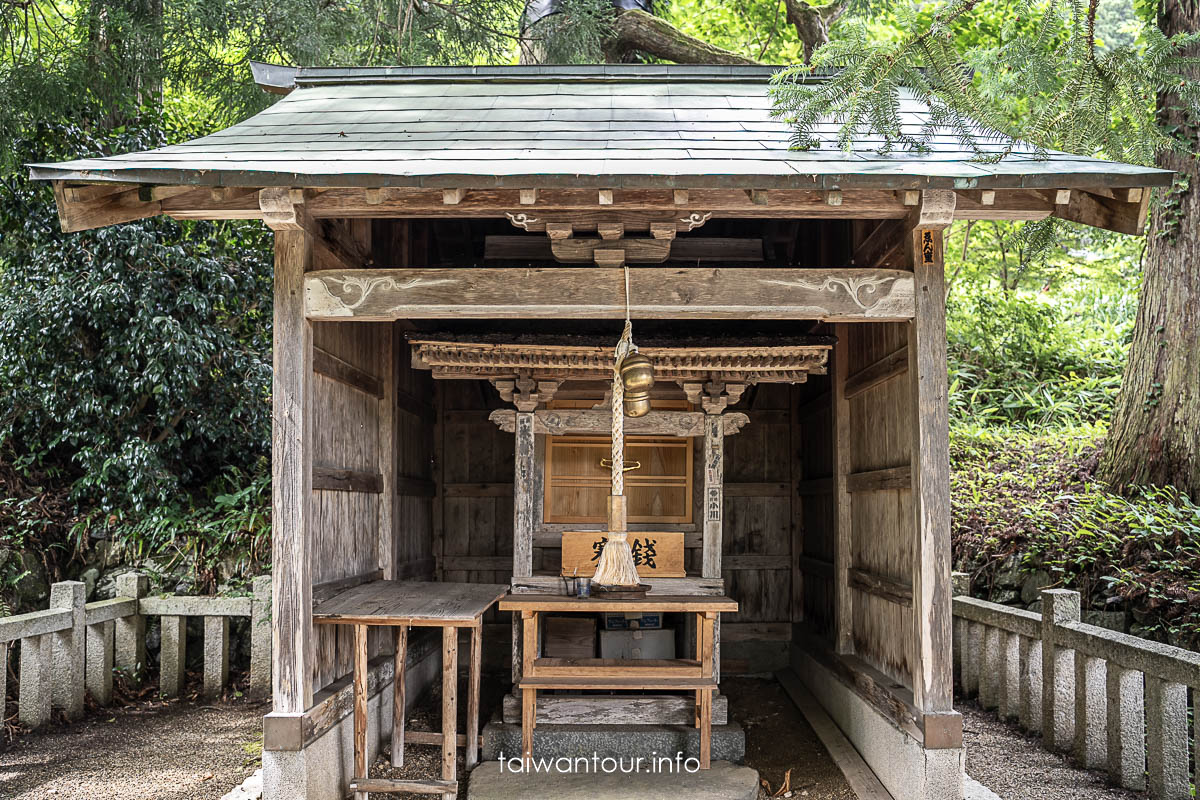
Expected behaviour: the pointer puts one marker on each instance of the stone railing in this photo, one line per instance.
(73, 647)
(1116, 701)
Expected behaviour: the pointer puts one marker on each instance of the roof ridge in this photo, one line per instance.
(537, 73)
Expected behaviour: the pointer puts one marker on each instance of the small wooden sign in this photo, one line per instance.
(928, 247)
(657, 555)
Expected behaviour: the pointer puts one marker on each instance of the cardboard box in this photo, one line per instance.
(638, 644)
(571, 636)
(616, 621)
(656, 555)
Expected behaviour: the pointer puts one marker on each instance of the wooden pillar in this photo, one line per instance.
(933, 672)
(291, 458)
(843, 599)
(714, 514)
(524, 497)
(388, 449)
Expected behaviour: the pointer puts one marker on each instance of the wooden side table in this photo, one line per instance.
(401, 605)
(694, 675)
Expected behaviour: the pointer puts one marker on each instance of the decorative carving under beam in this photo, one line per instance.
(582, 422)
(714, 396)
(563, 226)
(524, 392)
(564, 293)
(727, 369)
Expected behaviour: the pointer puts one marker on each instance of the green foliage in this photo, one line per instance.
(1033, 362)
(576, 34)
(1032, 497)
(1088, 100)
(134, 360)
(220, 536)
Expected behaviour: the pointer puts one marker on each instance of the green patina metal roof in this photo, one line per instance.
(606, 126)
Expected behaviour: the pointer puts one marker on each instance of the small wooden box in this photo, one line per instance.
(657, 555)
(571, 636)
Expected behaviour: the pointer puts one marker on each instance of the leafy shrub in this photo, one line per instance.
(1031, 362)
(1032, 499)
(135, 359)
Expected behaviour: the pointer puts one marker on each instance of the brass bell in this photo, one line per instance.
(637, 377)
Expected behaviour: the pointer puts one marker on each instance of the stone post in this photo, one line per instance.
(974, 657)
(1091, 745)
(1126, 727)
(991, 677)
(172, 657)
(1167, 740)
(216, 655)
(130, 633)
(960, 585)
(100, 661)
(1031, 685)
(33, 691)
(260, 637)
(1058, 670)
(67, 672)
(1010, 694)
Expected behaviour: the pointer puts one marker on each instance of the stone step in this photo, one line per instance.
(725, 781)
(552, 741)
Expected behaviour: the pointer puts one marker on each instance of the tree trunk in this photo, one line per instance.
(636, 30)
(1155, 434)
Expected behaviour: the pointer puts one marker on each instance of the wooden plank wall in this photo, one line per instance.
(881, 519)
(346, 437)
(756, 559)
(813, 480)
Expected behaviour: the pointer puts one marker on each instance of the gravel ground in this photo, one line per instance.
(779, 741)
(1013, 764)
(145, 751)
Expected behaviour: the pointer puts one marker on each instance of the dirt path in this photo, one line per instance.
(1013, 764)
(148, 751)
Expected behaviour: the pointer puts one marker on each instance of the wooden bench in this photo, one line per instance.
(401, 605)
(603, 674)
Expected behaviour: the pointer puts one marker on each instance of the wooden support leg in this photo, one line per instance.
(472, 751)
(449, 706)
(360, 705)
(528, 720)
(398, 700)
(706, 728)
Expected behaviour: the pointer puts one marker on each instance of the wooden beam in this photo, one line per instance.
(879, 586)
(382, 295)
(583, 422)
(291, 485)
(697, 250)
(876, 480)
(330, 366)
(346, 480)
(870, 376)
(82, 208)
(1105, 212)
(932, 661)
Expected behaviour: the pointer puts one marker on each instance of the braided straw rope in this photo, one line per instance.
(616, 567)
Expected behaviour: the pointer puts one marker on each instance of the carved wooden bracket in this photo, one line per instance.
(524, 392)
(714, 396)
(584, 422)
(611, 230)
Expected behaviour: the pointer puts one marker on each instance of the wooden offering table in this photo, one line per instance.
(404, 604)
(616, 674)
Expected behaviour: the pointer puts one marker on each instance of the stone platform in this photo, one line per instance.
(725, 781)
(553, 741)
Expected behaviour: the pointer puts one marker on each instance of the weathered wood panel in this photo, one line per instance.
(881, 519)
(597, 293)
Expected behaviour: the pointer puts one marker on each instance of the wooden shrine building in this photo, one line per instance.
(449, 254)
